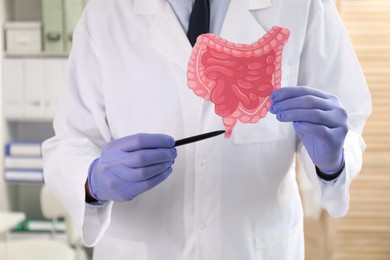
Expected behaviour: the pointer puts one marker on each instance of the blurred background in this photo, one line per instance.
(365, 232)
(36, 39)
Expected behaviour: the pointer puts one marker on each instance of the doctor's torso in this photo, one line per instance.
(227, 198)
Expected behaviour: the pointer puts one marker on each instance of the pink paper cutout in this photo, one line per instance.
(237, 78)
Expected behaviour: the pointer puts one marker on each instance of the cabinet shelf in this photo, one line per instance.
(37, 55)
(30, 85)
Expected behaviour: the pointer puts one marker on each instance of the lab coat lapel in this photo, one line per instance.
(168, 37)
(147, 6)
(240, 26)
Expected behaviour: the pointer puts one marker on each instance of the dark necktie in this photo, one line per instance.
(199, 20)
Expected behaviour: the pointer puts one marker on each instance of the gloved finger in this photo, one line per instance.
(297, 91)
(323, 133)
(144, 173)
(147, 157)
(303, 102)
(148, 184)
(330, 118)
(142, 141)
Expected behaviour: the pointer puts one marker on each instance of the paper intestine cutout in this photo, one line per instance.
(237, 78)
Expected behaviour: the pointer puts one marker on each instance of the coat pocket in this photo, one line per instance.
(268, 129)
(119, 249)
(282, 244)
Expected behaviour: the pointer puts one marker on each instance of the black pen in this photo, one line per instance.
(196, 138)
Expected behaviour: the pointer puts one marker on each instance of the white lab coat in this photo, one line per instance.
(226, 198)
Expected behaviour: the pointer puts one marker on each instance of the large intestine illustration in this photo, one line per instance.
(237, 78)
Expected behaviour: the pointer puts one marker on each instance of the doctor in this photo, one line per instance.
(133, 196)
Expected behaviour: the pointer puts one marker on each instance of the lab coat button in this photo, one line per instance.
(202, 226)
(203, 162)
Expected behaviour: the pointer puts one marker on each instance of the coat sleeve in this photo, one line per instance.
(328, 62)
(81, 130)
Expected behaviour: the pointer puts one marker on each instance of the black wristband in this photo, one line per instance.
(330, 177)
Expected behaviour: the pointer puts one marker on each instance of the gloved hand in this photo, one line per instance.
(319, 120)
(130, 166)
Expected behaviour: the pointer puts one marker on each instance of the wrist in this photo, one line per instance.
(331, 175)
(90, 196)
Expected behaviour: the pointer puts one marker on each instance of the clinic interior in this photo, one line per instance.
(31, 218)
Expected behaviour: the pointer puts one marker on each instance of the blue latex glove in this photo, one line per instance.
(319, 120)
(130, 166)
